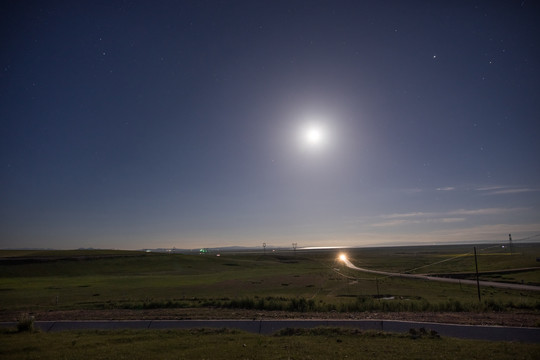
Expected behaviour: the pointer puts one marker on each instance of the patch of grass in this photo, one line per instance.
(320, 343)
(301, 304)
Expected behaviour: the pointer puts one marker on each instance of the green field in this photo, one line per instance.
(227, 344)
(283, 280)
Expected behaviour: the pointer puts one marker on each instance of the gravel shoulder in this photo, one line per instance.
(520, 319)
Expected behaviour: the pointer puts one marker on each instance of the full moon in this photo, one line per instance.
(314, 135)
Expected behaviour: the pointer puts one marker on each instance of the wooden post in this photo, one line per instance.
(477, 279)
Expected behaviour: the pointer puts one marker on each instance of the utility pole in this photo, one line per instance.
(264, 248)
(477, 280)
(294, 245)
(510, 243)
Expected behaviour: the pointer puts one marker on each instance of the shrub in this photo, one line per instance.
(298, 305)
(26, 323)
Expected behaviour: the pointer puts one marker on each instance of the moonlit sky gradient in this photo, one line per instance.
(145, 124)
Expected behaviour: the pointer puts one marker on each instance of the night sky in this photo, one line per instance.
(145, 124)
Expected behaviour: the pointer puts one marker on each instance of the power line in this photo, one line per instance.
(468, 254)
(439, 262)
(527, 238)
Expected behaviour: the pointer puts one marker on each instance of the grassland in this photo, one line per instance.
(227, 344)
(303, 281)
(315, 282)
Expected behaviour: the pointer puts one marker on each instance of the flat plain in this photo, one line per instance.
(107, 284)
(282, 280)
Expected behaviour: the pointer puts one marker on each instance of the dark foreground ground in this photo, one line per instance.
(320, 343)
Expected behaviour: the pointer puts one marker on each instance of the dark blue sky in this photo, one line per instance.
(136, 124)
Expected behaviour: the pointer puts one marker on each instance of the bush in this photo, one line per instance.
(300, 305)
(26, 323)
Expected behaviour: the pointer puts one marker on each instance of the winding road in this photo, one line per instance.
(267, 327)
(350, 265)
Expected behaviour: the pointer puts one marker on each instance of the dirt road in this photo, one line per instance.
(444, 279)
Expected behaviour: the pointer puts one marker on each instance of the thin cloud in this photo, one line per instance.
(511, 191)
(490, 188)
(504, 190)
(486, 211)
(446, 188)
(459, 212)
(489, 232)
(453, 216)
(406, 215)
(450, 220)
(394, 223)
(400, 222)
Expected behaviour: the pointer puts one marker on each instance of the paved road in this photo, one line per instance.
(491, 333)
(442, 279)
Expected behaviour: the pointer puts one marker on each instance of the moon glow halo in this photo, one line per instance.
(313, 136)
